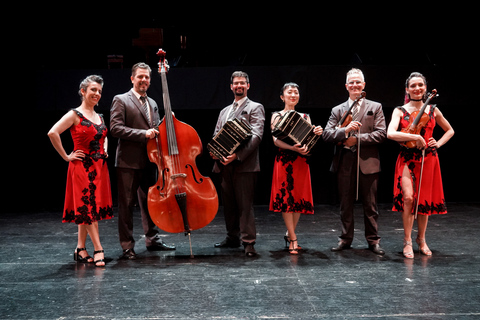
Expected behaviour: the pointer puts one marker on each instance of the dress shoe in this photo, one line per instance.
(159, 245)
(375, 248)
(128, 254)
(249, 250)
(227, 243)
(341, 246)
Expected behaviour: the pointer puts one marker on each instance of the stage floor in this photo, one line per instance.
(40, 280)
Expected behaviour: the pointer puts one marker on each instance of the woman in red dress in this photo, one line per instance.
(409, 163)
(88, 196)
(291, 186)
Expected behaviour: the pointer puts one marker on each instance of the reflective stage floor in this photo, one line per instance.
(40, 280)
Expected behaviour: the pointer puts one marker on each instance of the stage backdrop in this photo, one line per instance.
(198, 95)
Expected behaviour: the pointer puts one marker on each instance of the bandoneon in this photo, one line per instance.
(293, 128)
(229, 138)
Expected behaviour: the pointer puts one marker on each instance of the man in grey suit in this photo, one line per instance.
(239, 170)
(368, 128)
(133, 119)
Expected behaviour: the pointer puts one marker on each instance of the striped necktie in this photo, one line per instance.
(232, 113)
(146, 109)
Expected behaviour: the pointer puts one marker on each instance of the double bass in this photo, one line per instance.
(182, 200)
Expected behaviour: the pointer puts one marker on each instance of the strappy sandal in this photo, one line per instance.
(408, 254)
(427, 251)
(96, 262)
(294, 250)
(77, 257)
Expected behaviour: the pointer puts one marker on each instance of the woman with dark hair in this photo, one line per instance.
(408, 169)
(291, 186)
(88, 197)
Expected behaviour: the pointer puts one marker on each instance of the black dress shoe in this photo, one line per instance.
(128, 254)
(249, 250)
(159, 245)
(375, 248)
(341, 246)
(227, 243)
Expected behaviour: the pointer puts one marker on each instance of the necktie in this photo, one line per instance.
(355, 112)
(146, 109)
(234, 108)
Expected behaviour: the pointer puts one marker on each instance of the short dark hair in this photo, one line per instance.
(140, 65)
(288, 85)
(239, 74)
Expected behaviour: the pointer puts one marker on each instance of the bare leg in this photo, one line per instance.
(422, 221)
(82, 238)
(407, 216)
(95, 236)
(291, 221)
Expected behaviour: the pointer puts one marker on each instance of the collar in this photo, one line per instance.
(138, 95)
(241, 101)
(350, 102)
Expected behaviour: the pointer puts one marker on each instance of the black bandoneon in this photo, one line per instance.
(293, 128)
(229, 138)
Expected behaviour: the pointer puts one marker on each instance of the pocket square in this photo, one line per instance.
(244, 112)
(370, 113)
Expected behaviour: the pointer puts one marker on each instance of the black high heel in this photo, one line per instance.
(101, 260)
(294, 250)
(77, 257)
(287, 241)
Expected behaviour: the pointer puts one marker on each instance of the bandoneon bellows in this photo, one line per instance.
(293, 128)
(229, 138)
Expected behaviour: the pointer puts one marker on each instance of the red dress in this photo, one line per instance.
(88, 196)
(291, 184)
(432, 200)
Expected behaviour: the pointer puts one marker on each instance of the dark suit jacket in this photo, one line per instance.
(372, 132)
(128, 123)
(253, 113)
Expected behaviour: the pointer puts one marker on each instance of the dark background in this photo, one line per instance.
(312, 46)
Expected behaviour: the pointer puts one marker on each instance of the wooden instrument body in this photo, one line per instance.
(180, 173)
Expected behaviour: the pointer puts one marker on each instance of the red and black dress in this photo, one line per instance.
(88, 196)
(432, 200)
(291, 183)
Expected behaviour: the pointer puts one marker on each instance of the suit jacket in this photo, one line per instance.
(248, 156)
(372, 132)
(128, 123)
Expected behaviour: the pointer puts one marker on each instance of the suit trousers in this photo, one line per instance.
(367, 194)
(133, 186)
(238, 191)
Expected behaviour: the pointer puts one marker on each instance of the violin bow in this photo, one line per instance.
(419, 184)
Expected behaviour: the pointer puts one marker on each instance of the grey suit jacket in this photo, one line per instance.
(128, 123)
(372, 133)
(248, 156)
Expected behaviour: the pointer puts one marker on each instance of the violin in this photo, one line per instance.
(416, 122)
(182, 199)
(347, 115)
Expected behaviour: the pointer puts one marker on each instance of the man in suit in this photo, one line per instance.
(368, 129)
(239, 170)
(133, 119)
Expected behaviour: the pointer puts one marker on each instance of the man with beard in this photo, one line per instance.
(239, 170)
(133, 119)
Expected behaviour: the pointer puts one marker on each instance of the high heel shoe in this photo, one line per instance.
(77, 257)
(427, 251)
(408, 254)
(96, 262)
(294, 250)
(287, 242)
